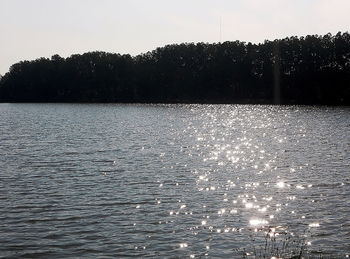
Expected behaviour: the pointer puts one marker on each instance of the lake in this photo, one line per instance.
(172, 181)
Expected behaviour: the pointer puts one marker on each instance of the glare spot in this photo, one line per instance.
(314, 225)
(281, 185)
(202, 177)
(222, 211)
(249, 205)
(204, 222)
(183, 245)
(262, 209)
(268, 198)
(258, 222)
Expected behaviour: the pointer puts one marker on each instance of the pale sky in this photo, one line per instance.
(30, 29)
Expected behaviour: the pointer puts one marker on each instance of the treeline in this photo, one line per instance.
(295, 70)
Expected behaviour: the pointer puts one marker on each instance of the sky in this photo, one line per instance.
(30, 29)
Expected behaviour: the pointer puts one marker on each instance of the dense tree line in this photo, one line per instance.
(306, 70)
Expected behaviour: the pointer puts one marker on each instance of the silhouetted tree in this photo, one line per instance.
(307, 70)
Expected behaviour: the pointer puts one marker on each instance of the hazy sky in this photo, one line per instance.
(40, 28)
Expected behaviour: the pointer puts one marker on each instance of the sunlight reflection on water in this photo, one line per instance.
(172, 180)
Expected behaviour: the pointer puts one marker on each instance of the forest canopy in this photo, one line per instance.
(295, 70)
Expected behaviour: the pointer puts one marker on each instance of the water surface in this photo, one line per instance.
(171, 181)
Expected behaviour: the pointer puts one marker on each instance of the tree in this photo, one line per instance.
(307, 70)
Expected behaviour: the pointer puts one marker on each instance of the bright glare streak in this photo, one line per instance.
(183, 245)
(258, 222)
(314, 225)
(281, 184)
(249, 205)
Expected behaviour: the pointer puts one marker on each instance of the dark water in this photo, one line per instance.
(171, 181)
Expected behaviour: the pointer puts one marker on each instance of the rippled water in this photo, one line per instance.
(171, 181)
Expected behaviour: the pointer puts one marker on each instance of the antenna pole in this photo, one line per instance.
(220, 29)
